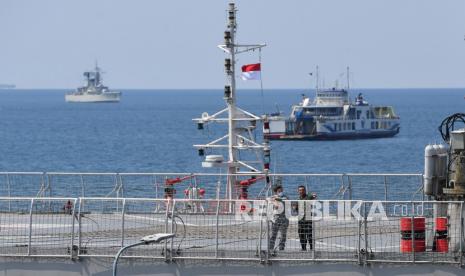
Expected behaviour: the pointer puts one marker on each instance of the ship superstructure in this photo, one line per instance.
(332, 116)
(94, 91)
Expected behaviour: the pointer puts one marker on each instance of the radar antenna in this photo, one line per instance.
(241, 123)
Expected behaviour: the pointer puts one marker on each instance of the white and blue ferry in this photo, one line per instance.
(332, 116)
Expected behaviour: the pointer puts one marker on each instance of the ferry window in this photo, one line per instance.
(377, 125)
(353, 126)
(335, 126)
(372, 125)
(359, 112)
(368, 114)
(363, 124)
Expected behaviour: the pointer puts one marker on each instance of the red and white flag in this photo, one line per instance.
(251, 72)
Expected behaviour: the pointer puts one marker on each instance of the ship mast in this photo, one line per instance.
(348, 78)
(240, 122)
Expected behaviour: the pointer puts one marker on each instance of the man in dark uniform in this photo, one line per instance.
(305, 227)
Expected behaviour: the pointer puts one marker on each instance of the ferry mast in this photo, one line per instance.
(240, 122)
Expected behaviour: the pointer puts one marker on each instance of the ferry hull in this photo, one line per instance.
(98, 98)
(333, 136)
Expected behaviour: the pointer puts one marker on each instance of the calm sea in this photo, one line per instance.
(152, 131)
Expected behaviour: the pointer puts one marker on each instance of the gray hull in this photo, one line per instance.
(102, 266)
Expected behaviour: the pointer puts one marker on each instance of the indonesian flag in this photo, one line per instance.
(251, 72)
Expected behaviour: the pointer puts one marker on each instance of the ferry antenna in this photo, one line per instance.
(348, 80)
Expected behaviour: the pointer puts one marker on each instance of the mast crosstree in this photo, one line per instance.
(241, 123)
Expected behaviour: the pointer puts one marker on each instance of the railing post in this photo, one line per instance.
(172, 229)
(167, 214)
(422, 179)
(73, 213)
(260, 237)
(30, 227)
(313, 221)
(359, 245)
(79, 227)
(116, 189)
(154, 180)
(365, 220)
(217, 228)
(123, 209)
(49, 186)
(350, 186)
(267, 252)
(385, 189)
(43, 185)
(8, 184)
(343, 186)
(121, 184)
(413, 231)
(83, 191)
(461, 251)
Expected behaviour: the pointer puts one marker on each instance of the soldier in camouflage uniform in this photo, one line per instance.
(279, 221)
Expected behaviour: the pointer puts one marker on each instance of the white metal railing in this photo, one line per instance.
(341, 230)
(365, 186)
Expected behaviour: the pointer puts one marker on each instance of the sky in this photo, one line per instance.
(172, 44)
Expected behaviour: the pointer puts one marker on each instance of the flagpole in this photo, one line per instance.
(261, 79)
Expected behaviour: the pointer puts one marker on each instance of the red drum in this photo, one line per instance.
(442, 244)
(418, 244)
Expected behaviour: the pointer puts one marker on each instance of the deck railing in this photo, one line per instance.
(341, 186)
(360, 232)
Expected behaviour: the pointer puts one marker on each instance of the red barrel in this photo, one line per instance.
(440, 239)
(441, 224)
(419, 244)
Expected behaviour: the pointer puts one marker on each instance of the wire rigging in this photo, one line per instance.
(448, 124)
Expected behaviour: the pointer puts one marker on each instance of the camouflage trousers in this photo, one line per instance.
(279, 225)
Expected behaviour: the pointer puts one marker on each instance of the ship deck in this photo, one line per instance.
(99, 227)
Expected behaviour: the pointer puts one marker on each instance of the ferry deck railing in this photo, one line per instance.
(359, 232)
